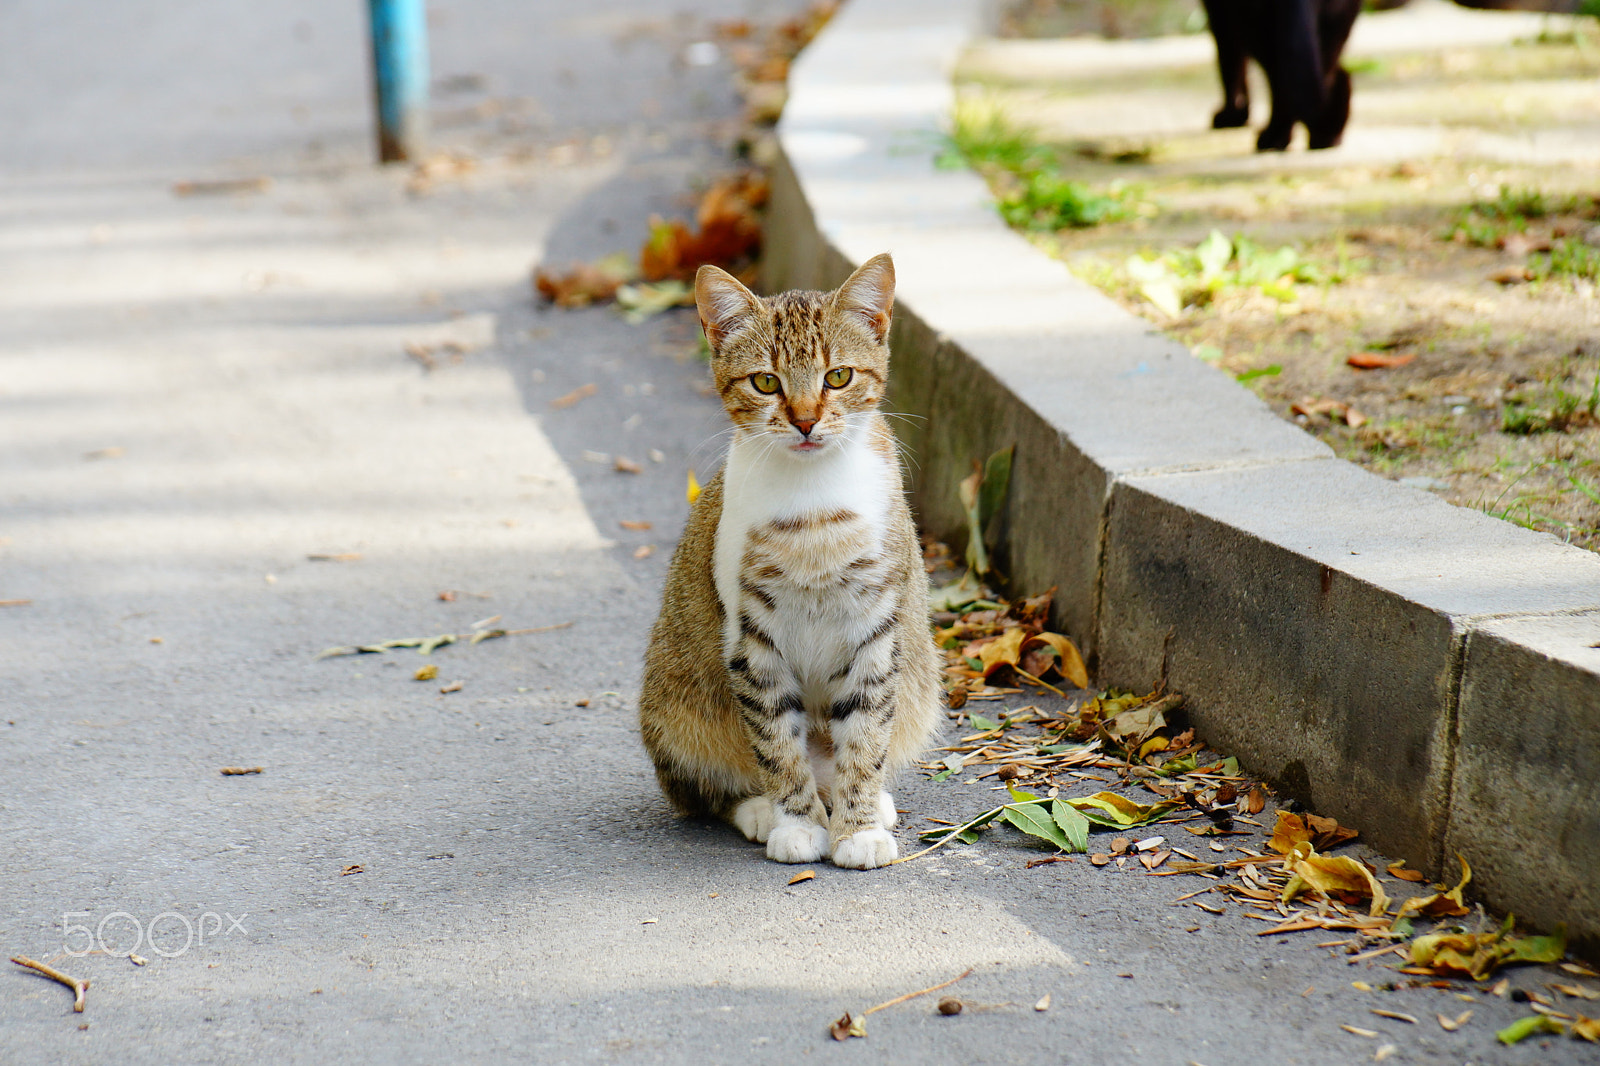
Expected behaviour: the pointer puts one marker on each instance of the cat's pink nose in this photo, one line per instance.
(803, 427)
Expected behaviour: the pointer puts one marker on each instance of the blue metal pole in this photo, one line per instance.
(400, 73)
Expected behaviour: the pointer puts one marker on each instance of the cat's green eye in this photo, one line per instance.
(838, 377)
(767, 383)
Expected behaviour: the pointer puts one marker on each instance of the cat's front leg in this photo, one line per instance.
(791, 813)
(861, 726)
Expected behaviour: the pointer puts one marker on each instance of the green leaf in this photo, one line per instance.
(1537, 948)
(956, 596)
(1032, 819)
(1073, 825)
(942, 775)
(1214, 253)
(996, 483)
(1019, 796)
(1164, 294)
(1526, 1027)
(1259, 372)
(1057, 749)
(978, 721)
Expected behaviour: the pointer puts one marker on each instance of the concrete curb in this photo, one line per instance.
(1418, 670)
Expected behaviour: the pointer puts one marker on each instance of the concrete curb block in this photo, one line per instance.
(1419, 670)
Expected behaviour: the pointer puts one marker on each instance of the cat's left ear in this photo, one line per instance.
(725, 306)
(868, 296)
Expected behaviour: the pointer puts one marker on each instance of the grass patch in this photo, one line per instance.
(1032, 191)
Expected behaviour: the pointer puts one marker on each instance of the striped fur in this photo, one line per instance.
(791, 669)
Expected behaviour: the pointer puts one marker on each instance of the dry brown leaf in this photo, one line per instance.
(353, 868)
(582, 392)
(1575, 991)
(1587, 1028)
(624, 465)
(1521, 244)
(1379, 360)
(1511, 275)
(581, 286)
(729, 231)
(454, 686)
(1396, 1015)
(1359, 1032)
(1397, 869)
(426, 673)
(240, 771)
(636, 526)
(803, 875)
(644, 551)
(1043, 1004)
(1450, 1025)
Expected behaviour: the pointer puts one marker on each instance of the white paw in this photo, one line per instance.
(798, 842)
(887, 815)
(866, 849)
(754, 818)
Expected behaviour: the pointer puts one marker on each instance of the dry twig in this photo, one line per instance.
(80, 986)
(913, 995)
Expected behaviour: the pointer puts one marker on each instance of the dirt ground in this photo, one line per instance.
(1454, 241)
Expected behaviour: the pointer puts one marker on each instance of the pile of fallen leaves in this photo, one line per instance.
(726, 231)
(994, 648)
(764, 64)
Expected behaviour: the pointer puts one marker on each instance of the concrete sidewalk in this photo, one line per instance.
(200, 393)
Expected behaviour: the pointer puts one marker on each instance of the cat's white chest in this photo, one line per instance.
(788, 513)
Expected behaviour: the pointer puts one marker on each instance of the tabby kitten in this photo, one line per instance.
(791, 668)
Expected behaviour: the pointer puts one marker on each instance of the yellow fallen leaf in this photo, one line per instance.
(1588, 1028)
(694, 489)
(1440, 904)
(1004, 651)
(1477, 955)
(1334, 873)
(1290, 831)
(426, 673)
(1069, 660)
(803, 875)
(1450, 1025)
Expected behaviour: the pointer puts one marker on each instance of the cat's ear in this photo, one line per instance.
(725, 306)
(868, 296)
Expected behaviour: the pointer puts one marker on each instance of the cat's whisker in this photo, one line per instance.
(689, 460)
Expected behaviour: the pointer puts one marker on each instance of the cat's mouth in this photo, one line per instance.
(807, 445)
